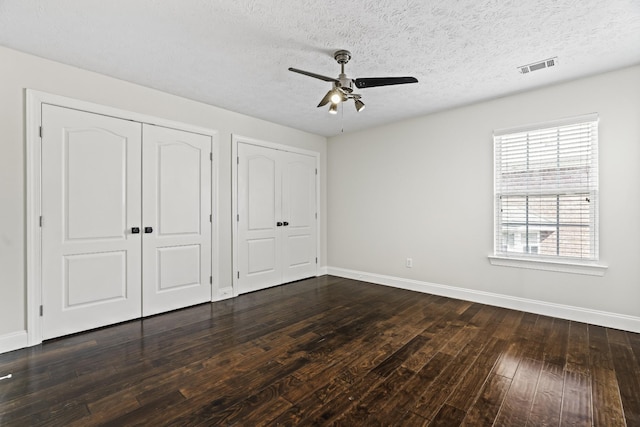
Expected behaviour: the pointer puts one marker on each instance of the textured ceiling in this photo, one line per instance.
(234, 54)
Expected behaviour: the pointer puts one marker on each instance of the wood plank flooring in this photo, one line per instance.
(329, 351)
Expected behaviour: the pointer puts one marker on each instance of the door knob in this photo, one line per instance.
(285, 223)
(279, 224)
(135, 230)
(148, 229)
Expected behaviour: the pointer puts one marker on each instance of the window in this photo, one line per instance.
(546, 191)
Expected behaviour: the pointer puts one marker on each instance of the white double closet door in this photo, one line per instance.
(126, 220)
(277, 217)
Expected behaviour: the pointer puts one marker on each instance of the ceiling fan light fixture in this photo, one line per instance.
(337, 96)
(359, 105)
(333, 109)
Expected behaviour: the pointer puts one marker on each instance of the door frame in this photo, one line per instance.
(33, 158)
(235, 140)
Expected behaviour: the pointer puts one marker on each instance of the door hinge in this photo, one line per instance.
(238, 160)
(211, 280)
(238, 217)
(210, 218)
(41, 221)
(40, 131)
(316, 171)
(211, 156)
(316, 215)
(41, 311)
(238, 274)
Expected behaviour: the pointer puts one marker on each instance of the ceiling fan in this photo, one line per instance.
(343, 86)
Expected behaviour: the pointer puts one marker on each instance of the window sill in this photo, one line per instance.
(547, 265)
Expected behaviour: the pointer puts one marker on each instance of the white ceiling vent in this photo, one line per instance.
(551, 62)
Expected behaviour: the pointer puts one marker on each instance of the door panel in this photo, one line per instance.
(177, 207)
(106, 271)
(261, 256)
(103, 182)
(299, 251)
(90, 202)
(261, 192)
(179, 187)
(188, 260)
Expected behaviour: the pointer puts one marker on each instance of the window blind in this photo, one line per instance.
(546, 190)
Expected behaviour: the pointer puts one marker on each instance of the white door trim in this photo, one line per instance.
(235, 140)
(33, 118)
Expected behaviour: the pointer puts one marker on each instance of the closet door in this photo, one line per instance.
(90, 209)
(259, 218)
(276, 217)
(176, 222)
(299, 214)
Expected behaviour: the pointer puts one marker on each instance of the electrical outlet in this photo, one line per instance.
(409, 263)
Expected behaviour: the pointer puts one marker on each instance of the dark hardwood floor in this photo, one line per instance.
(330, 351)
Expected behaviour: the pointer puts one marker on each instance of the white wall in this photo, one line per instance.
(423, 188)
(19, 71)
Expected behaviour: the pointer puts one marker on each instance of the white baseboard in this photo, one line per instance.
(322, 271)
(223, 293)
(13, 341)
(579, 314)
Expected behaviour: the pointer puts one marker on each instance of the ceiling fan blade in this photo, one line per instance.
(314, 75)
(366, 82)
(326, 99)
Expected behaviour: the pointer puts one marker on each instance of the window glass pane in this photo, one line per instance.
(543, 212)
(548, 243)
(574, 241)
(576, 210)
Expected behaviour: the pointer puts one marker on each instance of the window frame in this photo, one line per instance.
(569, 264)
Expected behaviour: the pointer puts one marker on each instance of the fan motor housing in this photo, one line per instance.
(346, 83)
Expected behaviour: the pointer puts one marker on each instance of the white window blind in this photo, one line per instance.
(546, 190)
